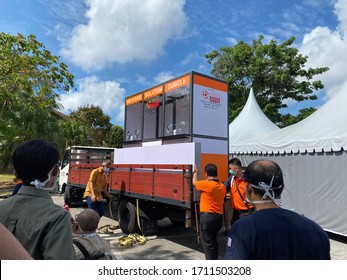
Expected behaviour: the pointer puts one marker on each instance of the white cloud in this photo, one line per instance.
(325, 47)
(124, 31)
(163, 77)
(107, 94)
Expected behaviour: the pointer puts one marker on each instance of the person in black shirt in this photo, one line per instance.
(273, 233)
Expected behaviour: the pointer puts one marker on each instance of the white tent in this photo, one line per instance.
(313, 157)
(249, 123)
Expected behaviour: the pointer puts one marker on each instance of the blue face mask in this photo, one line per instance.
(106, 169)
(231, 172)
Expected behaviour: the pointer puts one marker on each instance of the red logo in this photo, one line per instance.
(205, 94)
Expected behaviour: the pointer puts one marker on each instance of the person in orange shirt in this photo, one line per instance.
(237, 186)
(98, 183)
(211, 208)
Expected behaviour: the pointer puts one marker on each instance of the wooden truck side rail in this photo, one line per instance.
(164, 183)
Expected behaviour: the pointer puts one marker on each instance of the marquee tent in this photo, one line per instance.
(249, 123)
(313, 157)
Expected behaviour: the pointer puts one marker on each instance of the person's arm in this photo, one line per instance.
(236, 247)
(91, 188)
(11, 248)
(58, 242)
(195, 174)
(107, 193)
(91, 185)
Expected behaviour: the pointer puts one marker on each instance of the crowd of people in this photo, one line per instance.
(33, 227)
(260, 228)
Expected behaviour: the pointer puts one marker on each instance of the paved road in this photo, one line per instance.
(178, 243)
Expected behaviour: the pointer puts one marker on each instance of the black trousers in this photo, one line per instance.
(210, 224)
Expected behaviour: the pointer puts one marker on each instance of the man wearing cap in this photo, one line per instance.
(273, 233)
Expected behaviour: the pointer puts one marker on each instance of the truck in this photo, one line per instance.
(168, 128)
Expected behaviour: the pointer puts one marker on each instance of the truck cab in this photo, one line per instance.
(72, 177)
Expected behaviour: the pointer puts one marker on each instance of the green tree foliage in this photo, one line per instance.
(116, 136)
(75, 133)
(96, 121)
(275, 71)
(30, 80)
(289, 119)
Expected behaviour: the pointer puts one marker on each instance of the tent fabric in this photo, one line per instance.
(314, 186)
(251, 122)
(324, 130)
(313, 157)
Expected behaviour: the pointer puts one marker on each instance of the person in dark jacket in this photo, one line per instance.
(273, 233)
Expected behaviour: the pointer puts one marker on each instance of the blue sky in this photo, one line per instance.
(116, 48)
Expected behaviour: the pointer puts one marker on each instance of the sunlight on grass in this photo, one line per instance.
(6, 178)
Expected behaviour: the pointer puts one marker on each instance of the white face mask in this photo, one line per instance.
(41, 185)
(268, 196)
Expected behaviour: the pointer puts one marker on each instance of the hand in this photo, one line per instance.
(93, 198)
(196, 169)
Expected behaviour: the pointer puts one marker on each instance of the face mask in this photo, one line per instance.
(268, 196)
(41, 185)
(106, 169)
(232, 173)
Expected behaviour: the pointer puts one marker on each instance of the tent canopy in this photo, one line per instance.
(250, 123)
(323, 131)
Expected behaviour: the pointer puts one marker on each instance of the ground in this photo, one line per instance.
(6, 185)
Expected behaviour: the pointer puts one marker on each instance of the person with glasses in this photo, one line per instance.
(272, 232)
(98, 184)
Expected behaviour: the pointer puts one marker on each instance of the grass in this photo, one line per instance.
(6, 184)
(6, 178)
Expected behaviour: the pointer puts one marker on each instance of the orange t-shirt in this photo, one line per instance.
(236, 201)
(212, 196)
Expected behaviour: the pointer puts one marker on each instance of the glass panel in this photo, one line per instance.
(177, 111)
(133, 130)
(153, 118)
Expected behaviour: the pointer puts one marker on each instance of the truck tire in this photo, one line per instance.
(127, 217)
(67, 196)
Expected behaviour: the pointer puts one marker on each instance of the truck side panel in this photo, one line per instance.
(166, 183)
(79, 173)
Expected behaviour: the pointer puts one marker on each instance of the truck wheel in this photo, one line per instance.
(67, 196)
(127, 217)
(62, 189)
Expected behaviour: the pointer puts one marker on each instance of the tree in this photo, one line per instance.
(30, 80)
(289, 119)
(276, 73)
(116, 136)
(94, 118)
(75, 133)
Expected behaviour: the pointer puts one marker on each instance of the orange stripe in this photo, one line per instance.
(133, 99)
(220, 160)
(203, 81)
(153, 92)
(177, 83)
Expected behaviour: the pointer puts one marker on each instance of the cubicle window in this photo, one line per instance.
(133, 122)
(153, 118)
(177, 115)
